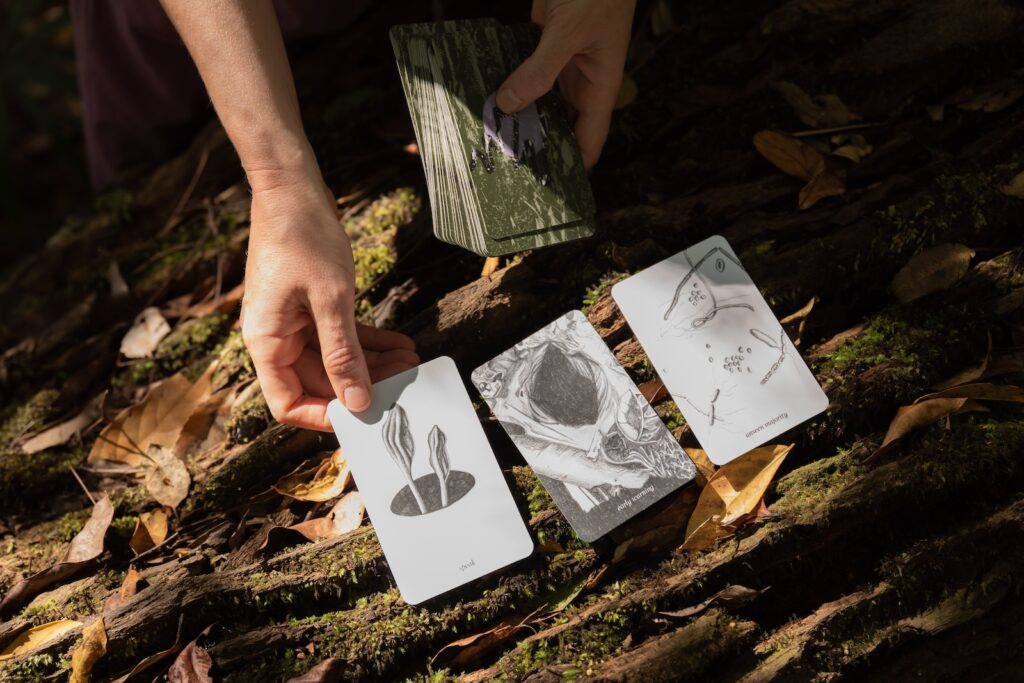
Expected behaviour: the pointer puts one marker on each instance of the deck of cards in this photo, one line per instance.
(498, 183)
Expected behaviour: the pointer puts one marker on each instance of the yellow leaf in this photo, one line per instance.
(789, 155)
(85, 656)
(37, 636)
(1015, 188)
(158, 419)
(705, 468)
(491, 264)
(150, 530)
(329, 481)
(735, 490)
(825, 183)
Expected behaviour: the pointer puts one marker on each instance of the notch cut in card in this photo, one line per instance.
(724, 357)
(433, 490)
(497, 183)
(581, 423)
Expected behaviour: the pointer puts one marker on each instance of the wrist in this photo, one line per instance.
(282, 164)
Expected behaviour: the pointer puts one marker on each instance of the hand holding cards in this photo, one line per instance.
(498, 183)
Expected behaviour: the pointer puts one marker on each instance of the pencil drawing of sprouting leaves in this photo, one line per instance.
(439, 461)
(431, 492)
(399, 443)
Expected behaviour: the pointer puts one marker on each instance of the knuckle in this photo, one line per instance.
(343, 360)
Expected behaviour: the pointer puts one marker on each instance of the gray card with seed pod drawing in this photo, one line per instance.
(589, 435)
(497, 183)
(433, 490)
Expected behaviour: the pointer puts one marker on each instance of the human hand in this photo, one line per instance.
(298, 312)
(583, 45)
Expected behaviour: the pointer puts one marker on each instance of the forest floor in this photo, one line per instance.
(895, 563)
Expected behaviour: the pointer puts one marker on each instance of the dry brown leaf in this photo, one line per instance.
(790, 155)
(822, 111)
(735, 490)
(131, 585)
(989, 98)
(854, 152)
(705, 535)
(346, 515)
(158, 420)
(154, 658)
(705, 468)
(328, 671)
(37, 636)
(60, 434)
(192, 665)
(150, 530)
(147, 331)
(168, 479)
(86, 546)
(909, 418)
(90, 651)
(197, 427)
(329, 481)
(465, 650)
(825, 183)
(932, 270)
(730, 596)
(1015, 188)
(654, 391)
(981, 391)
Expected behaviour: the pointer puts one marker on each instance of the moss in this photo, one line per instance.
(20, 419)
(31, 670)
(392, 210)
(71, 523)
(191, 341)
(234, 362)
(669, 413)
(248, 420)
(810, 485)
(371, 262)
(604, 284)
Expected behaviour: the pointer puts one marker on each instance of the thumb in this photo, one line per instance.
(342, 354)
(536, 75)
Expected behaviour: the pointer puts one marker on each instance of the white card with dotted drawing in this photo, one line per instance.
(725, 359)
(434, 492)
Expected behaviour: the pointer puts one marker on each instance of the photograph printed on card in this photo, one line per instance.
(433, 490)
(581, 423)
(724, 357)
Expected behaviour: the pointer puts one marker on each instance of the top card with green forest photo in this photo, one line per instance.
(498, 183)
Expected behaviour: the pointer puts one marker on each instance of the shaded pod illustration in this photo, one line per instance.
(431, 492)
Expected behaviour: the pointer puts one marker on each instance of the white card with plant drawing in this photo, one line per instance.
(434, 492)
(579, 420)
(734, 373)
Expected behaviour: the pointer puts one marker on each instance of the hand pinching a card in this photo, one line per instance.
(583, 426)
(432, 487)
(725, 359)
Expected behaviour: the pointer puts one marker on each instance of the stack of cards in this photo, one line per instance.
(498, 183)
(434, 492)
(732, 370)
(583, 426)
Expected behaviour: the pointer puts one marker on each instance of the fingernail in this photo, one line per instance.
(508, 101)
(356, 397)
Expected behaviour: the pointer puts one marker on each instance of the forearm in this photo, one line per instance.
(238, 49)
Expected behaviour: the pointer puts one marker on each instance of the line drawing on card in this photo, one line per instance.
(431, 492)
(779, 346)
(564, 399)
(700, 293)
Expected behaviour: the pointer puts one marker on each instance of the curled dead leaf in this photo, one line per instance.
(133, 582)
(37, 637)
(90, 651)
(327, 671)
(86, 546)
(932, 270)
(491, 264)
(150, 530)
(821, 111)
(147, 331)
(168, 479)
(790, 155)
(909, 418)
(60, 434)
(346, 515)
(826, 183)
(328, 480)
(193, 664)
(732, 494)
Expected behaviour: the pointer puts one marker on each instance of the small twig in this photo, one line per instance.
(837, 129)
(82, 484)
